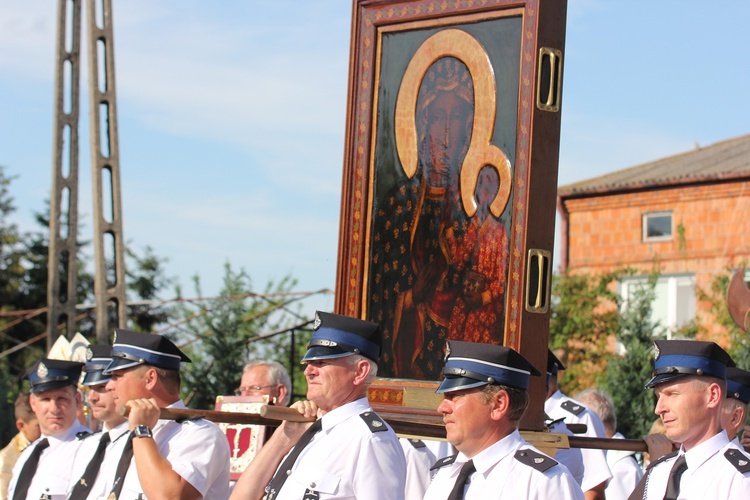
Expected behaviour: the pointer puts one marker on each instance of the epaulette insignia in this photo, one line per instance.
(373, 421)
(535, 460)
(572, 407)
(417, 443)
(662, 459)
(444, 461)
(740, 461)
(82, 435)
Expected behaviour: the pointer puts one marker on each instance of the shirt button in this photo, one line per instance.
(312, 485)
(289, 472)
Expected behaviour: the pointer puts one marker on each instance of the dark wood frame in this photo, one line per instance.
(534, 165)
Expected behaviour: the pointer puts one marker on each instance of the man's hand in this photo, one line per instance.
(745, 441)
(143, 412)
(658, 445)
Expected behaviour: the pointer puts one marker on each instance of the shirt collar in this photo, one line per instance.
(335, 417)
(705, 450)
(68, 435)
(490, 456)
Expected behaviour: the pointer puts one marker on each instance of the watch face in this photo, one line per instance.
(142, 431)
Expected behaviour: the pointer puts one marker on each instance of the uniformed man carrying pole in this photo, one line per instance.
(485, 396)
(349, 452)
(690, 387)
(171, 459)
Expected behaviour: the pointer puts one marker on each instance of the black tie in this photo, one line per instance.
(285, 470)
(457, 493)
(28, 471)
(83, 486)
(673, 483)
(122, 467)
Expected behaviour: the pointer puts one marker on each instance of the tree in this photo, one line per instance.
(146, 279)
(584, 315)
(221, 334)
(626, 374)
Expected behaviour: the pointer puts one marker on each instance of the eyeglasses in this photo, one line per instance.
(251, 389)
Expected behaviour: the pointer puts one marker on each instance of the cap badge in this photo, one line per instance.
(42, 371)
(89, 354)
(447, 352)
(114, 337)
(656, 352)
(316, 324)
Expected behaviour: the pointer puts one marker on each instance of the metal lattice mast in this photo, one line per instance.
(62, 280)
(109, 249)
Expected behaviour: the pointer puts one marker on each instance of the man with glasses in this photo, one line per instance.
(266, 378)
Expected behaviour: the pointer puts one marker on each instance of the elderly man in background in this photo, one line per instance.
(45, 466)
(266, 378)
(349, 451)
(625, 469)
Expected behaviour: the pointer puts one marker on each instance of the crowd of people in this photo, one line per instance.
(345, 450)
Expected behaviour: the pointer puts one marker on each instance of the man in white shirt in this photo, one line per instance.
(485, 391)
(171, 459)
(734, 411)
(690, 386)
(349, 451)
(45, 466)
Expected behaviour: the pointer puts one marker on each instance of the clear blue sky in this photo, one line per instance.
(232, 115)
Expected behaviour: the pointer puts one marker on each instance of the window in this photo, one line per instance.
(657, 226)
(674, 299)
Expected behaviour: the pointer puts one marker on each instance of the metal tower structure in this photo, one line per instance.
(109, 264)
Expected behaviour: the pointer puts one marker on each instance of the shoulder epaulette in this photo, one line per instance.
(83, 435)
(740, 461)
(574, 408)
(444, 461)
(535, 460)
(662, 459)
(373, 421)
(417, 443)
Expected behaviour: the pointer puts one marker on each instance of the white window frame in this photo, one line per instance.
(644, 225)
(673, 282)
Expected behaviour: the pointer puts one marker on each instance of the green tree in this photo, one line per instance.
(584, 314)
(221, 334)
(146, 281)
(627, 372)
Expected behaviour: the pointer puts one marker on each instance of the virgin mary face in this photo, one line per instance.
(448, 121)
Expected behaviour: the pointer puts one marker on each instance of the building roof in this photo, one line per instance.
(720, 161)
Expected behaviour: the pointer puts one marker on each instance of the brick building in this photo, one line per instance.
(689, 214)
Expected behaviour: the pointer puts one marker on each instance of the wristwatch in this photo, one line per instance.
(142, 431)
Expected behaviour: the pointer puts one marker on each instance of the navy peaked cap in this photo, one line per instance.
(335, 336)
(131, 349)
(738, 384)
(471, 364)
(47, 374)
(680, 358)
(553, 363)
(97, 359)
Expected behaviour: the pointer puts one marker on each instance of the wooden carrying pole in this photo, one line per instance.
(272, 415)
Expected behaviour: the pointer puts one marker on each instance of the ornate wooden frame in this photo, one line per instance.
(522, 144)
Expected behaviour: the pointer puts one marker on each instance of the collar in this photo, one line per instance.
(554, 401)
(118, 431)
(335, 417)
(705, 450)
(490, 456)
(67, 435)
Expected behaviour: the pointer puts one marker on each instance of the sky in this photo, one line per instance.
(231, 117)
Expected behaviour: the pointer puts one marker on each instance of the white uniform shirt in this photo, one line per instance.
(346, 459)
(197, 450)
(106, 477)
(499, 474)
(595, 469)
(569, 457)
(55, 464)
(419, 459)
(710, 475)
(625, 473)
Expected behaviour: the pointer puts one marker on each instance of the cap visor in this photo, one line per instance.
(95, 378)
(450, 384)
(119, 364)
(319, 352)
(48, 386)
(663, 377)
